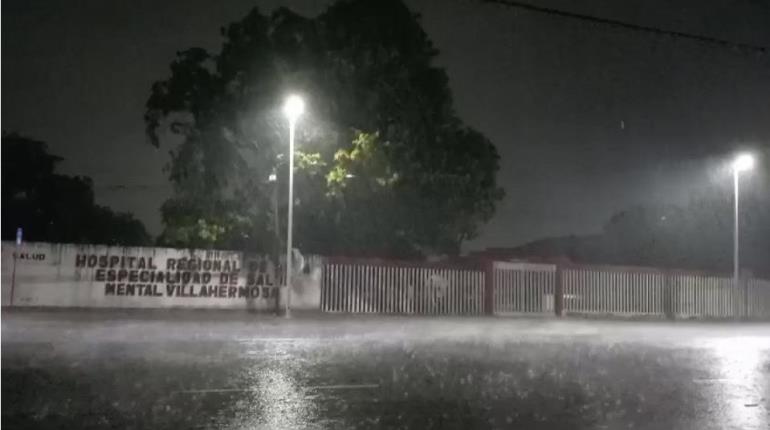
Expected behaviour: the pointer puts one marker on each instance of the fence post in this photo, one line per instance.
(558, 292)
(489, 287)
(322, 287)
(668, 295)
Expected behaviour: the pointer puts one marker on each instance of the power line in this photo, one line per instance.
(630, 26)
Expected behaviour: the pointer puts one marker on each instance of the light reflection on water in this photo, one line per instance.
(278, 377)
(743, 385)
(273, 398)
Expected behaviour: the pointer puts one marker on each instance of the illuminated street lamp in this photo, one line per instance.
(741, 163)
(292, 108)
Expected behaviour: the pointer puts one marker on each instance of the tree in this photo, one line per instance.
(698, 235)
(52, 207)
(384, 167)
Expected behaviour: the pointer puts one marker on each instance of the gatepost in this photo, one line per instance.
(558, 300)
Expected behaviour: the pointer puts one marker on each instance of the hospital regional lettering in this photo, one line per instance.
(180, 264)
(182, 277)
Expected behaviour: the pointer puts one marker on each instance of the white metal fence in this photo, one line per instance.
(701, 296)
(609, 291)
(759, 298)
(364, 287)
(371, 286)
(523, 287)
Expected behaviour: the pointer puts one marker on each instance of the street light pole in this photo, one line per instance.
(292, 109)
(742, 163)
(736, 236)
(290, 222)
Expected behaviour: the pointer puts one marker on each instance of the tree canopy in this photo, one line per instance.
(384, 164)
(698, 235)
(51, 207)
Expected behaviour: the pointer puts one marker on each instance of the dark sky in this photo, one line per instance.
(588, 119)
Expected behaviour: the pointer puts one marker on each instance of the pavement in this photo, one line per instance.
(234, 370)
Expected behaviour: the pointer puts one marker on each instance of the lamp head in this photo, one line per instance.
(743, 162)
(293, 107)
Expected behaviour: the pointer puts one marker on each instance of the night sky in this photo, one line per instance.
(588, 119)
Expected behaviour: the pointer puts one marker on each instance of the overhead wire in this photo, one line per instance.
(632, 27)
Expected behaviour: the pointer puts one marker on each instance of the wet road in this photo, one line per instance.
(214, 370)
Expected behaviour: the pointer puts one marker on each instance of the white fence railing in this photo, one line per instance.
(373, 286)
(701, 296)
(616, 292)
(363, 287)
(523, 287)
(758, 299)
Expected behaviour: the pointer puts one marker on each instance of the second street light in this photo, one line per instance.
(293, 109)
(741, 163)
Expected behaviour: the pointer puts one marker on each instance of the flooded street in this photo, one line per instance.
(212, 370)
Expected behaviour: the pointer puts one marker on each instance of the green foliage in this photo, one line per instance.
(312, 163)
(384, 166)
(205, 227)
(364, 161)
(56, 208)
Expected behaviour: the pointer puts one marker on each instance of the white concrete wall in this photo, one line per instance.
(65, 275)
